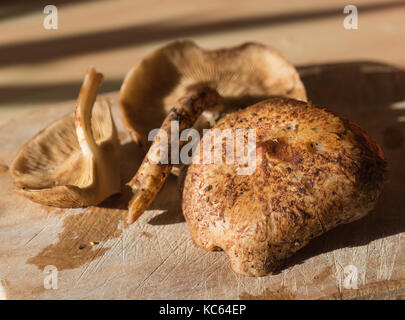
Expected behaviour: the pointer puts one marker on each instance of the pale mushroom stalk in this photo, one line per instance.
(84, 105)
(150, 177)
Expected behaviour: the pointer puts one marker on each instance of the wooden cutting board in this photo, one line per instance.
(155, 258)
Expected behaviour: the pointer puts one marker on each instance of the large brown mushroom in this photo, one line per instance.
(75, 161)
(242, 75)
(314, 171)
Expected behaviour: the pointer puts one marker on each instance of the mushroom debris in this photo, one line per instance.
(75, 161)
(242, 75)
(314, 171)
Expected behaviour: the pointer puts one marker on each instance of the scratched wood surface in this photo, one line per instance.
(346, 71)
(155, 257)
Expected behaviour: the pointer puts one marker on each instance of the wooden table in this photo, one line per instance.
(39, 67)
(358, 73)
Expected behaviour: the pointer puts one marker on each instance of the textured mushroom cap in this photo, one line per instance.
(242, 75)
(314, 171)
(50, 169)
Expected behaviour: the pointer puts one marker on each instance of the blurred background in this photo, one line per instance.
(40, 68)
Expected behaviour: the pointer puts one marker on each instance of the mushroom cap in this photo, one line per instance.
(51, 169)
(314, 171)
(242, 75)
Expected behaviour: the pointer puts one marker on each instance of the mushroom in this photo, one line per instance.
(157, 163)
(314, 171)
(75, 161)
(242, 75)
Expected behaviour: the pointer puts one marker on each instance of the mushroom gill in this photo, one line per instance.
(242, 75)
(73, 162)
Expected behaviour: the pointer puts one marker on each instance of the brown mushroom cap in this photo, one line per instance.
(242, 75)
(314, 171)
(58, 168)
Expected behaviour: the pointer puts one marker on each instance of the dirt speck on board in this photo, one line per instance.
(147, 234)
(323, 275)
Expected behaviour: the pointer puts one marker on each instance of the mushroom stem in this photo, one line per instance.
(150, 177)
(84, 105)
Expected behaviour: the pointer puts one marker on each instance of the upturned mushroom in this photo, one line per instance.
(314, 171)
(242, 75)
(75, 161)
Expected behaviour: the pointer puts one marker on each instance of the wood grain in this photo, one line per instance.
(349, 72)
(155, 258)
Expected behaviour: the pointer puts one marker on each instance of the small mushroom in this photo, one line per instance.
(75, 161)
(294, 194)
(242, 75)
(156, 165)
